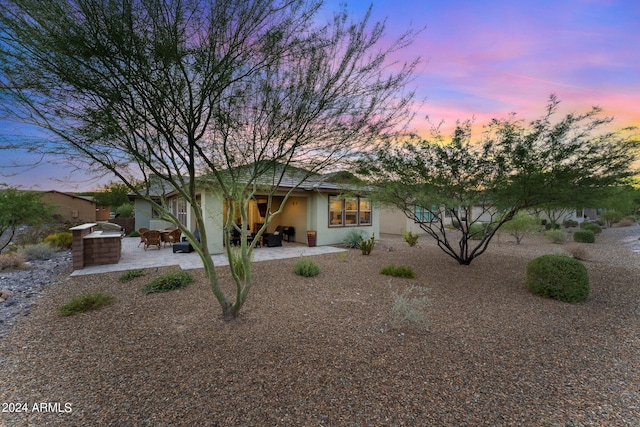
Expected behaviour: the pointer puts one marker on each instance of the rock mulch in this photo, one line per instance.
(21, 288)
(320, 351)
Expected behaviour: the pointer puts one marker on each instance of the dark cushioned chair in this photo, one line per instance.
(274, 239)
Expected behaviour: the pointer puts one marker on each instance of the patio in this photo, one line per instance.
(134, 257)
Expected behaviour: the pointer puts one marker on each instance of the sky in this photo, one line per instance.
(480, 60)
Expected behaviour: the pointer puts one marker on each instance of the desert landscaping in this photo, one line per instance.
(322, 351)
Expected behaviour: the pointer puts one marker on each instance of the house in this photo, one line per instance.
(71, 208)
(318, 204)
(394, 221)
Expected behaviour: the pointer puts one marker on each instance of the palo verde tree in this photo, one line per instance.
(230, 95)
(19, 208)
(461, 193)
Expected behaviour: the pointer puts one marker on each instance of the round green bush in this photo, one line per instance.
(558, 276)
(552, 226)
(556, 236)
(592, 226)
(584, 236)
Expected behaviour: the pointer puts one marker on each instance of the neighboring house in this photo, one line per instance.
(394, 221)
(68, 207)
(315, 205)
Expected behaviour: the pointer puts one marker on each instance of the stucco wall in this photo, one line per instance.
(69, 208)
(294, 215)
(326, 235)
(143, 213)
(212, 209)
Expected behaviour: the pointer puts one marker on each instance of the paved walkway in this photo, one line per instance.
(134, 257)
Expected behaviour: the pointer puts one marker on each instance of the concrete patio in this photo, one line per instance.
(134, 257)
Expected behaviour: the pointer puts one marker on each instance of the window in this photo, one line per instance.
(179, 209)
(349, 211)
(425, 215)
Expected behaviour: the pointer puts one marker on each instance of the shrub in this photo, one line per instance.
(570, 223)
(39, 251)
(353, 239)
(367, 245)
(168, 282)
(399, 271)
(10, 260)
(410, 238)
(556, 236)
(408, 309)
(627, 222)
(86, 302)
(584, 236)
(478, 230)
(130, 275)
(125, 210)
(521, 224)
(578, 252)
(558, 276)
(61, 240)
(610, 216)
(134, 234)
(592, 227)
(551, 226)
(306, 267)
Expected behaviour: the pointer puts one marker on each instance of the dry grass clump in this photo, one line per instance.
(577, 251)
(627, 222)
(11, 260)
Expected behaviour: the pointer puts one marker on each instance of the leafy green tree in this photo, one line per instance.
(520, 225)
(19, 208)
(611, 216)
(515, 167)
(175, 90)
(113, 194)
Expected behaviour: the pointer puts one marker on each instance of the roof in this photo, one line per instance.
(276, 174)
(75, 196)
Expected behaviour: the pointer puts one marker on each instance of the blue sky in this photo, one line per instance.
(483, 60)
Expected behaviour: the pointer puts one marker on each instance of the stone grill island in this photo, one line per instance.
(94, 247)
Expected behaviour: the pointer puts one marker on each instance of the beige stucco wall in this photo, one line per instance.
(69, 208)
(294, 215)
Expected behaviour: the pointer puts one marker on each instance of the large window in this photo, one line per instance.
(349, 211)
(426, 214)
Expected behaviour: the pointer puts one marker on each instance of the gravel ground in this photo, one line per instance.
(320, 351)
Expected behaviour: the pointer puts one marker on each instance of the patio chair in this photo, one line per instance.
(273, 239)
(172, 237)
(141, 232)
(152, 238)
(234, 239)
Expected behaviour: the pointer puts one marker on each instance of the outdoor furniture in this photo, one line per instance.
(185, 246)
(141, 232)
(289, 232)
(271, 240)
(152, 238)
(234, 239)
(171, 237)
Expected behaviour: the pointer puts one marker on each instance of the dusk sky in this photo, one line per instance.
(485, 59)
